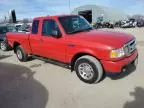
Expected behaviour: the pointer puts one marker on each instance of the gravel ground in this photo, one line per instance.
(36, 84)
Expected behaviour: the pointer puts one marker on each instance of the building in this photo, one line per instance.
(93, 12)
(12, 16)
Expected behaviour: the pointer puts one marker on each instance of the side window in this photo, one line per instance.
(49, 27)
(35, 27)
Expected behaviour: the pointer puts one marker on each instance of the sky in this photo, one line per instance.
(33, 8)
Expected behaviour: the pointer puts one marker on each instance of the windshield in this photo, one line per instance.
(6, 29)
(3, 30)
(11, 29)
(74, 24)
(24, 26)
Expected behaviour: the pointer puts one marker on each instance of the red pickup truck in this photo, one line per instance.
(70, 39)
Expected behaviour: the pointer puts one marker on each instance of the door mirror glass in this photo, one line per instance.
(56, 33)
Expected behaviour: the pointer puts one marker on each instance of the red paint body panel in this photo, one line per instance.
(36, 41)
(95, 42)
(54, 48)
(116, 67)
(21, 38)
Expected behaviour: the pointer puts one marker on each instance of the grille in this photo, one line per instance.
(130, 47)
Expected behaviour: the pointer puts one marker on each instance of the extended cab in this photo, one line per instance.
(71, 40)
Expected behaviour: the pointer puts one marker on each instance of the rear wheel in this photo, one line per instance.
(89, 69)
(21, 54)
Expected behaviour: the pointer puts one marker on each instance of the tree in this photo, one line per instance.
(25, 20)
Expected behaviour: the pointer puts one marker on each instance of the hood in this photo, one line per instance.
(109, 38)
(2, 36)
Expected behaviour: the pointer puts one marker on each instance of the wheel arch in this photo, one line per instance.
(15, 44)
(77, 56)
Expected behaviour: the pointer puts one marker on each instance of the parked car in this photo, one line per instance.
(24, 28)
(117, 24)
(70, 39)
(18, 26)
(140, 23)
(125, 24)
(108, 25)
(103, 25)
(128, 24)
(3, 39)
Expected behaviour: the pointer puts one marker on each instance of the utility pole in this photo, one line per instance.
(69, 6)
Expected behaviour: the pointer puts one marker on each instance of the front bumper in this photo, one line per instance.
(118, 66)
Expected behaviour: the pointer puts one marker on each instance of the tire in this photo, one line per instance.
(21, 54)
(89, 69)
(3, 46)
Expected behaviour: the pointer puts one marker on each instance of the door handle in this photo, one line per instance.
(71, 45)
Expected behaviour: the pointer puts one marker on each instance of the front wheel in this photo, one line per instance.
(89, 69)
(21, 54)
(3, 46)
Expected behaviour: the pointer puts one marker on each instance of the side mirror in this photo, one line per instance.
(56, 33)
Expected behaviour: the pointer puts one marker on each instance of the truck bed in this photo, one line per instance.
(19, 38)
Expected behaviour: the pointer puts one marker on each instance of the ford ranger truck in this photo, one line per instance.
(70, 39)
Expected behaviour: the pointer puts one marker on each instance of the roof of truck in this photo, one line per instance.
(55, 16)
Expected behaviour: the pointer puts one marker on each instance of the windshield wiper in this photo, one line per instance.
(83, 30)
(77, 31)
(88, 29)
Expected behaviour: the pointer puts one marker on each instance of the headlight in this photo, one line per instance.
(117, 53)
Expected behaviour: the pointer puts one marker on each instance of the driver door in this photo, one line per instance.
(52, 47)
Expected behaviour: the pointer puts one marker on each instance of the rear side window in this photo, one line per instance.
(35, 27)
